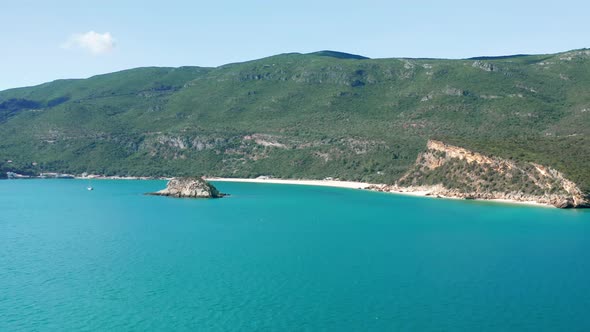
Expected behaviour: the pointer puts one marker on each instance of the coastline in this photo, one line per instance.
(321, 183)
(416, 192)
(508, 201)
(371, 187)
(115, 177)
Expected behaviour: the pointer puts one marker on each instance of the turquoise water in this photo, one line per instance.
(284, 258)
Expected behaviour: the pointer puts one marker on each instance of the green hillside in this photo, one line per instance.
(303, 115)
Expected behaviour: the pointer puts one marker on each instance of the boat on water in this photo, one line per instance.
(90, 188)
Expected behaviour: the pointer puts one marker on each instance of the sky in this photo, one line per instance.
(46, 40)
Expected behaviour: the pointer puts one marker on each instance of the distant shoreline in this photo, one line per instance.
(322, 183)
(369, 186)
(417, 192)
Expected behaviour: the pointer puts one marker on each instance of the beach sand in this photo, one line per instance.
(364, 185)
(325, 183)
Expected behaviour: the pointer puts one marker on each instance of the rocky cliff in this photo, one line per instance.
(452, 171)
(191, 187)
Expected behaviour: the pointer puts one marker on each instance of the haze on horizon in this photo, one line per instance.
(44, 41)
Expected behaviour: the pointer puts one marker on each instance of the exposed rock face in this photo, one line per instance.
(484, 66)
(191, 187)
(451, 171)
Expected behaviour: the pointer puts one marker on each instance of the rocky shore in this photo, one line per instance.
(191, 187)
(444, 170)
(440, 191)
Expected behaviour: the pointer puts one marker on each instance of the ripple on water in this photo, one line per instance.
(284, 258)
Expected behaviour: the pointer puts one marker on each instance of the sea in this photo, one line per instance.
(274, 257)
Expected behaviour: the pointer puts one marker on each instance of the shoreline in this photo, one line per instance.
(419, 192)
(369, 186)
(509, 201)
(120, 178)
(320, 183)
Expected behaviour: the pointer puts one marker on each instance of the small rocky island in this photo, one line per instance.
(189, 187)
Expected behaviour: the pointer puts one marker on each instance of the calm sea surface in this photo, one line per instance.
(284, 258)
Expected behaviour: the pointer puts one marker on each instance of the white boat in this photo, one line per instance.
(90, 188)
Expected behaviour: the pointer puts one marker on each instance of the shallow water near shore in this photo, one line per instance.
(284, 258)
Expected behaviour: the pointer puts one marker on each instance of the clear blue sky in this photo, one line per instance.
(39, 41)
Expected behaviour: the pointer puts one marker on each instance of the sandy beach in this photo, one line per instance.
(325, 183)
(508, 201)
(365, 186)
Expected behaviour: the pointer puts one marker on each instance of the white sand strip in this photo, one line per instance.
(325, 183)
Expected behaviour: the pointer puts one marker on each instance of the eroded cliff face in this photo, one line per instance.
(452, 171)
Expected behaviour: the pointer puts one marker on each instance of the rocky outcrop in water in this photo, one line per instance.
(191, 187)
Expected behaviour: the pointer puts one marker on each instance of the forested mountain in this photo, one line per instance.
(324, 114)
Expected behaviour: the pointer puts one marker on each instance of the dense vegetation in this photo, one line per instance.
(303, 115)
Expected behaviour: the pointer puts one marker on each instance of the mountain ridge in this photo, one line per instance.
(303, 115)
(359, 57)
